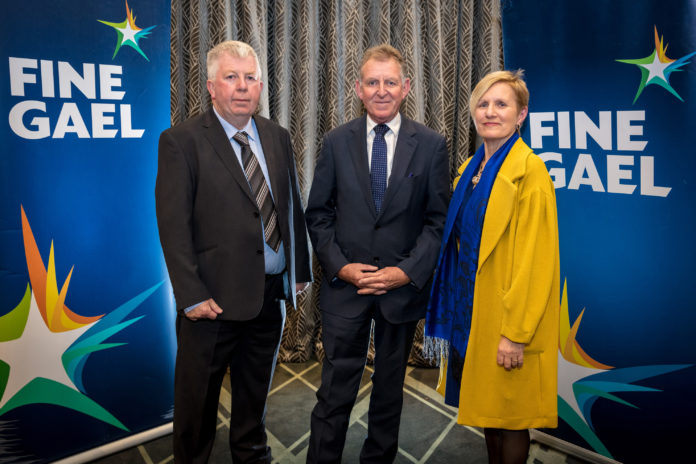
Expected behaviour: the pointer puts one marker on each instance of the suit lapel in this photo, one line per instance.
(273, 155)
(357, 149)
(501, 203)
(281, 189)
(223, 149)
(403, 153)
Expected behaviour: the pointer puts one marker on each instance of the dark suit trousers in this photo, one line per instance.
(346, 343)
(205, 349)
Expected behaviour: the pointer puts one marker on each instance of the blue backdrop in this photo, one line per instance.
(613, 87)
(85, 93)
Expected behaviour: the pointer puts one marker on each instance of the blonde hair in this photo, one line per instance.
(513, 79)
(383, 52)
(233, 48)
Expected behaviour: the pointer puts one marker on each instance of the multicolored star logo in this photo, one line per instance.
(583, 380)
(44, 346)
(656, 68)
(128, 33)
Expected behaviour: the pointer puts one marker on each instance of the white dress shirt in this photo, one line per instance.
(389, 137)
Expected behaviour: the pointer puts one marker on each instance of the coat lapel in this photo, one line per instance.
(281, 189)
(273, 155)
(223, 149)
(501, 203)
(403, 153)
(357, 148)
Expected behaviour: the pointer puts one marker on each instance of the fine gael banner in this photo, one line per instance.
(86, 316)
(612, 98)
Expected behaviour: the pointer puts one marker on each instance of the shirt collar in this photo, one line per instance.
(393, 125)
(230, 130)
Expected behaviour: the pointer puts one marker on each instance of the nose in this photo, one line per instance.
(241, 84)
(382, 88)
(490, 111)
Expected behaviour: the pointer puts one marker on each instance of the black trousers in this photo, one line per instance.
(346, 342)
(206, 348)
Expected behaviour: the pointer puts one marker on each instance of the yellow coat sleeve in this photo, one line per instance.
(535, 256)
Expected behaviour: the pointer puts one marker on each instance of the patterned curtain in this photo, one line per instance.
(310, 53)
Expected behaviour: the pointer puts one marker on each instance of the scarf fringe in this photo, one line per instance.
(435, 349)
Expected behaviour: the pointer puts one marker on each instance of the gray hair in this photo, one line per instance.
(233, 48)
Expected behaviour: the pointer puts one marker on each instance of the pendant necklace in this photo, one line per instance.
(475, 180)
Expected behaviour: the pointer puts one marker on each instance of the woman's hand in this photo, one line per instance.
(510, 354)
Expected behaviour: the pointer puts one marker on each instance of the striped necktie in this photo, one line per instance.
(259, 188)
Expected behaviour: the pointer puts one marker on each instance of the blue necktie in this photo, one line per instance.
(378, 167)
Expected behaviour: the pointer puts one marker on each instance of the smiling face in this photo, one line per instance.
(236, 89)
(381, 89)
(497, 114)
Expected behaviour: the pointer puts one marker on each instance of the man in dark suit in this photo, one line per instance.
(235, 243)
(375, 216)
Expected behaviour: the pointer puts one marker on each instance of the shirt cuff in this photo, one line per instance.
(186, 310)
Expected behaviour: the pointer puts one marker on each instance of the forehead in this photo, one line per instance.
(228, 63)
(499, 90)
(380, 68)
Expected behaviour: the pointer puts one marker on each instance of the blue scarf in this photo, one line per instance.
(448, 320)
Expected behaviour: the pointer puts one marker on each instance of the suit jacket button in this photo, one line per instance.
(259, 252)
(376, 258)
(376, 227)
(256, 214)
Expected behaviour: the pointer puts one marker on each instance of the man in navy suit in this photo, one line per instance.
(375, 215)
(235, 243)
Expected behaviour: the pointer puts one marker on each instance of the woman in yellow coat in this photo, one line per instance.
(495, 300)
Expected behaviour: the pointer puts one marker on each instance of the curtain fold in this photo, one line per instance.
(310, 53)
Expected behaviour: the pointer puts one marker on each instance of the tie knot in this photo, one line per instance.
(381, 129)
(242, 138)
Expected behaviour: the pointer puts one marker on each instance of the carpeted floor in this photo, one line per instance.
(429, 432)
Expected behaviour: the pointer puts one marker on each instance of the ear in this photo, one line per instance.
(358, 89)
(522, 115)
(211, 88)
(406, 87)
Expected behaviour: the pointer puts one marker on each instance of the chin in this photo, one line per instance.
(382, 118)
(495, 136)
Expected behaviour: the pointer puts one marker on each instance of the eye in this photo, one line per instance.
(502, 104)
(251, 79)
(232, 77)
(483, 104)
(391, 84)
(371, 83)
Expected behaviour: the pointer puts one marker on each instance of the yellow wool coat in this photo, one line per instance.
(516, 294)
